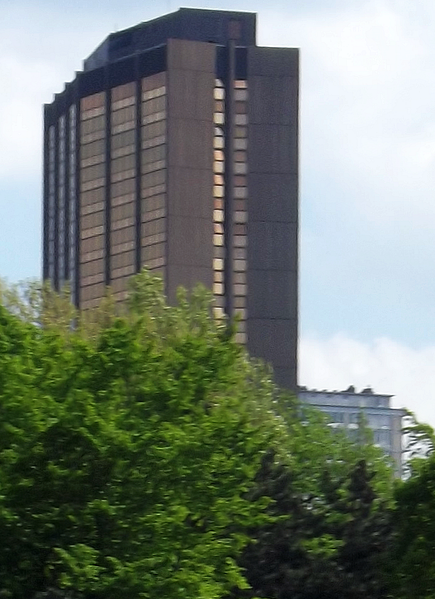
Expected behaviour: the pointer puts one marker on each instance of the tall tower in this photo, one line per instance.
(176, 148)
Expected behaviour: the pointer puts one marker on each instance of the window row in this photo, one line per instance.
(121, 140)
(123, 246)
(124, 151)
(94, 255)
(156, 202)
(92, 125)
(154, 262)
(123, 115)
(92, 279)
(151, 252)
(153, 130)
(239, 301)
(90, 137)
(117, 104)
(90, 173)
(123, 211)
(123, 271)
(157, 238)
(120, 200)
(93, 184)
(152, 93)
(92, 292)
(123, 127)
(92, 220)
(123, 175)
(153, 226)
(97, 159)
(154, 178)
(85, 115)
(153, 118)
(123, 92)
(93, 268)
(238, 277)
(95, 231)
(153, 105)
(123, 163)
(91, 244)
(123, 188)
(122, 223)
(152, 191)
(90, 102)
(153, 154)
(149, 167)
(120, 237)
(119, 260)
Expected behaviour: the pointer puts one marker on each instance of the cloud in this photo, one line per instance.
(367, 165)
(384, 364)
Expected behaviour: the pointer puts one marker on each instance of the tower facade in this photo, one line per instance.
(176, 148)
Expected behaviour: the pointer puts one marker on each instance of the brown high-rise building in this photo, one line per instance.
(176, 148)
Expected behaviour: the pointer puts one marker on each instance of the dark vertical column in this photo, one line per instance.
(229, 179)
(45, 219)
(273, 164)
(55, 281)
(190, 109)
(108, 174)
(67, 239)
(138, 143)
(77, 210)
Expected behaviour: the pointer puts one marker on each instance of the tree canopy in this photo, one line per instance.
(143, 454)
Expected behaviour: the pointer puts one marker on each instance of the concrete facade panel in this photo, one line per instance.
(281, 142)
(188, 94)
(190, 241)
(189, 192)
(273, 197)
(273, 341)
(188, 277)
(273, 100)
(273, 61)
(285, 377)
(274, 294)
(190, 143)
(273, 246)
(192, 55)
(191, 77)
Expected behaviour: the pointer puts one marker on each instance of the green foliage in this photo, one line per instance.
(127, 455)
(419, 442)
(412, 563)
(327, 538)
(142, 454)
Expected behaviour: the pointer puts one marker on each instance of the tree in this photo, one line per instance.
(412, 564)
(143, 454)
(127, 455)
(330, 529)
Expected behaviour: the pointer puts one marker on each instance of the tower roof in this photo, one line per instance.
(186, 23)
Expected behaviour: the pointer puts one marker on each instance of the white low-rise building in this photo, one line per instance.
(347, 408)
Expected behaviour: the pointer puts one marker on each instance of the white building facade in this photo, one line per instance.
(346, 409)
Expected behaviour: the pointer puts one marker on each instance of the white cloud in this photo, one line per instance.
(386, 365)
(367, 106)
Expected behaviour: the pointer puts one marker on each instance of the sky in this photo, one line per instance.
(367, 242)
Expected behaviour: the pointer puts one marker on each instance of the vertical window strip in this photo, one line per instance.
(123, 169)
(92, 180)
(61, 201)
(153, 175)
(51, 201)
(72, 202)
(218, 200)
(241, 259)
